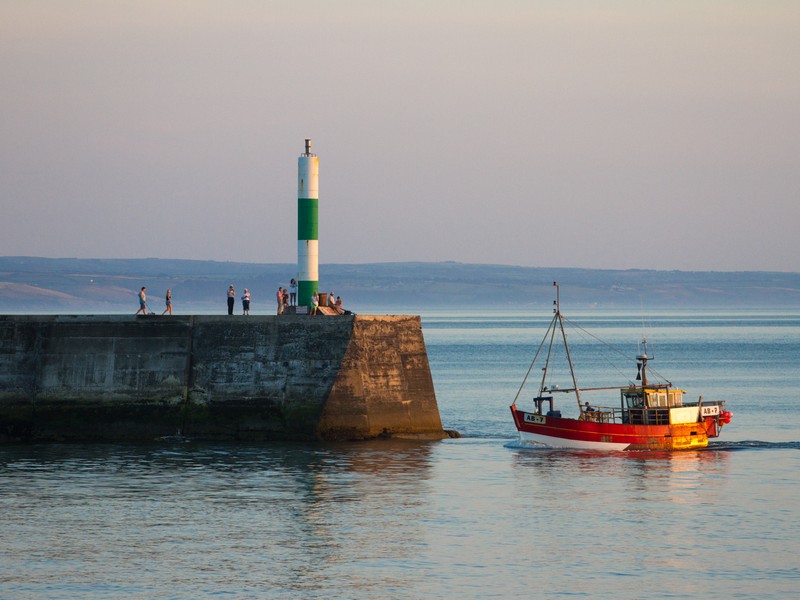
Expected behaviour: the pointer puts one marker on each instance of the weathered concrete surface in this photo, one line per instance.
(384, 385)
(214, 377)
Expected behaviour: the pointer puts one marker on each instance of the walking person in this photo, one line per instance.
(246, 302)
(279, 296)
(231, 299)
(169, 303)
(142, 301)
(293, 292)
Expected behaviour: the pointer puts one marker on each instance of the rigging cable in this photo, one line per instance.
(541, 345)
(605, 356)
(620, 352)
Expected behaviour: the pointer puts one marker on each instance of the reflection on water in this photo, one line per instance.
(638, 477)
(281, 516)
(672, 518)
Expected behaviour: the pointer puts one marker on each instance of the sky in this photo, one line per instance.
(615, 135)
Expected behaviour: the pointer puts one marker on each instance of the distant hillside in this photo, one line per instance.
(110, 285)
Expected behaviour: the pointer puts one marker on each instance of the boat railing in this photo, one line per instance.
(648, 416)
(602, 414)
(633, 416)
(654, 415)
(701, 402)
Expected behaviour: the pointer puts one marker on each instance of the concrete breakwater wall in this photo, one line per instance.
(118, 377)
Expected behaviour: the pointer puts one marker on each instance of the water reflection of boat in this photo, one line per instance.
(651, 416)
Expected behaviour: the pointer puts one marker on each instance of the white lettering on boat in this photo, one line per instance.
(529, 418)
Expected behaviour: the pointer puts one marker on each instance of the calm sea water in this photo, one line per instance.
(478, 517)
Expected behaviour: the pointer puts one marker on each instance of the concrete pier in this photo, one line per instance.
(119, 377)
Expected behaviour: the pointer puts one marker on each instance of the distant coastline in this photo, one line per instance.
(71, 285)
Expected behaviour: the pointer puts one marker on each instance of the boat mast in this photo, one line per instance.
(551, 333)
(566, 346)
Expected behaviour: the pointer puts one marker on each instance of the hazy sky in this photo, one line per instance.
(616, 134)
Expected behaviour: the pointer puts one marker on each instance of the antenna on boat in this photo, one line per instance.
(641, 364)
(557, 301)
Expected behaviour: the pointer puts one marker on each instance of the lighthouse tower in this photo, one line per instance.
(307, 226)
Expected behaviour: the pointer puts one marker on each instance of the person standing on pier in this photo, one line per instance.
(246, 302)
(142, 301)
(231, 299)
(169, 303)
(279, 297)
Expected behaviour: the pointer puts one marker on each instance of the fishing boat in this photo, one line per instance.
(650, 415)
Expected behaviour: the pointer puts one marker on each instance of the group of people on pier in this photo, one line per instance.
(232, 300)
(287, 301)
(335, 305)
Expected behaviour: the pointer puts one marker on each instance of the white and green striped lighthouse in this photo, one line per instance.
(307, 226)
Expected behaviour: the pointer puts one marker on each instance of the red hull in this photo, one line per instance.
(573, 433)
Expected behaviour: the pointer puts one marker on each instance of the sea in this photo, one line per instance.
(480, 516)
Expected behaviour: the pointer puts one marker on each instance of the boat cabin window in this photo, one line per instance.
(665, 398)
(539, 400)
(657, 398)
(633, 399)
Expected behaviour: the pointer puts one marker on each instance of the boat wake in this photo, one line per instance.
(518, 444)
(753, 445)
